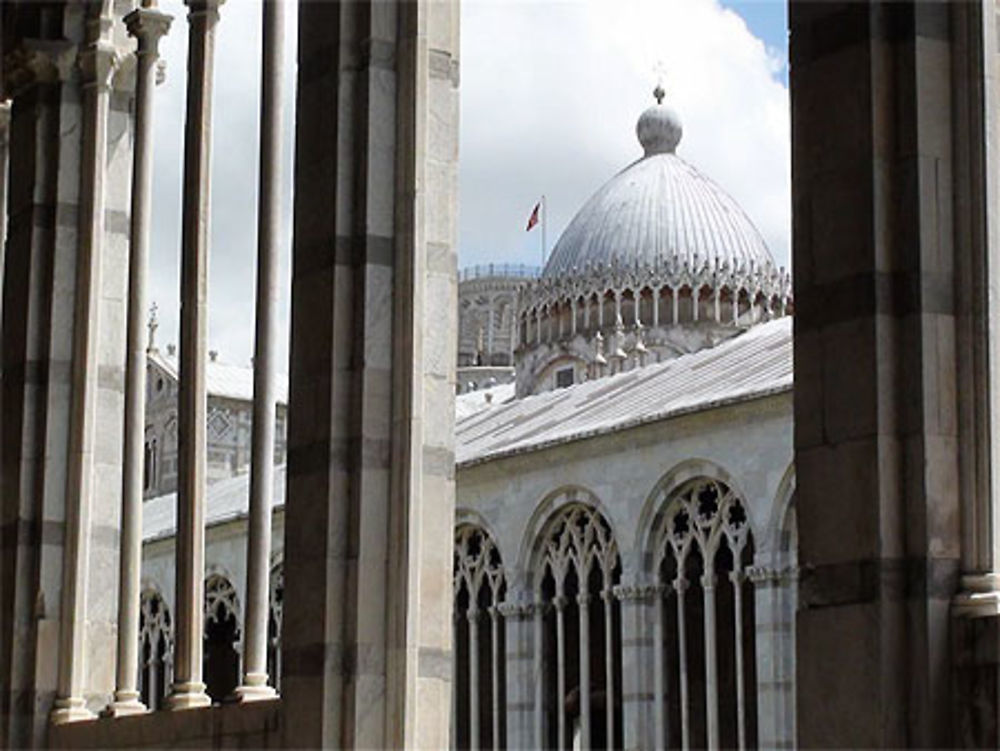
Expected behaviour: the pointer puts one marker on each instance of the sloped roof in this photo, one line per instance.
(753, 364)
(223, 379)
(471, 402)
(224, 501)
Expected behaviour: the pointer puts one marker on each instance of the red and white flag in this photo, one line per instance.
(533, 219)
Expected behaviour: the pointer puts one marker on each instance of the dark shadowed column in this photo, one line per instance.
(880, 239)
(369, 516)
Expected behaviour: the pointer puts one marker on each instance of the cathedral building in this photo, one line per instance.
(631, 506)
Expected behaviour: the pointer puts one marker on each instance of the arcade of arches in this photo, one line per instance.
(896, 158)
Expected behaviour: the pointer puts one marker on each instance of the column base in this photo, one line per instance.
(72, 709)
(254, 689)
(187, 696)
(979, 598)
(126, 703)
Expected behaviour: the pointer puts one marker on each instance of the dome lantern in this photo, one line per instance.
(659, 128)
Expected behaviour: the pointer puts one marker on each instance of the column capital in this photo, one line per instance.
(209, 8)
(633, 592)
(148, 26)
(516, 609)
(98, 62)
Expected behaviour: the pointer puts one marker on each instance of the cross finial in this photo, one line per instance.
(660, 69)
(152, 325)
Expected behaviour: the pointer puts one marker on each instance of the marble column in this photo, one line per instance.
(879, 463)
(583, 612)
(637, 656)
(148, 26)
(264, 362)
(188, 690)
(979, 345)
(975, 630)
(4, 160)
(51, 136)
(98, 60)
(368, 643)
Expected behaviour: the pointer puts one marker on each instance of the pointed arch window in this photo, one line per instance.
(704, 649)
(478, 699)
(155, 648)
(578, 632)
(222, 638)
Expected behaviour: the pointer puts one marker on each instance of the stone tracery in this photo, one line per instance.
(222, 637)
(478, 717)
(155, 648)
(577, 625)
(704, 647)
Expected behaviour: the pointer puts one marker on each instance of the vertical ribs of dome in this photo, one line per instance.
(665, 309)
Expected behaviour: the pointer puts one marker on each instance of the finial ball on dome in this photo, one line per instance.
(659, 128)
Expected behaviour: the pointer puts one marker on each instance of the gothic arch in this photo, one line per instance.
(574, 569)
(479, 589)
(545, 511)
(156, 647)
(655, 506)
(699, 558)
(222, 637)
(783, 501)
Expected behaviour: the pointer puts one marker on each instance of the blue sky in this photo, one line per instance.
(767, 20)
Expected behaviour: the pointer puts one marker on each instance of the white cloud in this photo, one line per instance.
(550, 95)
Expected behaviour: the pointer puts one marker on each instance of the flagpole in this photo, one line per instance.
(543, 230)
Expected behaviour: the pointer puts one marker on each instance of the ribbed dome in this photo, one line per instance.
(658, 207)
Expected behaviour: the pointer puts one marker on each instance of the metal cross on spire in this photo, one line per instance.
(660, 69)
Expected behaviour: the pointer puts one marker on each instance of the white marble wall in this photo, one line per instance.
(748, 445)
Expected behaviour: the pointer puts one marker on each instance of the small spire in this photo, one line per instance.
(659, 93)
(152, 325)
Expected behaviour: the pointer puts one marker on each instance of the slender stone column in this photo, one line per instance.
(495, 675)
(680, 586)
(188, 690)
(473, 618)
(148, 26)
(711, 661)
(583, 606)
(264, 389)
(538, 678)
(98, 60)
(609, 667)
(560, 604)
(737, 580)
